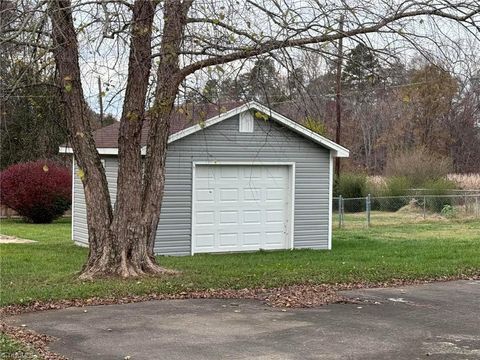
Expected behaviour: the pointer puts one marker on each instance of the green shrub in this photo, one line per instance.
(352, 186)
(448, 211)
(396, 187)
(438, 187)
(419, 166)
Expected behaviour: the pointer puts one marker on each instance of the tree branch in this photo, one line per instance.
(279, 44)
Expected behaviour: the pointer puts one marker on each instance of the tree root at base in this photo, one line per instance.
(124, 270)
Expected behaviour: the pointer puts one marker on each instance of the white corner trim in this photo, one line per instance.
(73, 198)
(330, 201)
(292, 185)
(192, 215)
(292, 206)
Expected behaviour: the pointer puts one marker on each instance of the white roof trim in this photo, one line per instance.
(208, 122)
(338, 150)
(65, 150)
(101, 151)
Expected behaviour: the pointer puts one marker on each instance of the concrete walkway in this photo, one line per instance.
(434, 321)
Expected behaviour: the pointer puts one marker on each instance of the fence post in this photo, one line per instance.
(424, 207)
(477, 209)
(340, 211)
(368, 206)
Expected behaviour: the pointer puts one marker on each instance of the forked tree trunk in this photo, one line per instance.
(121, 240)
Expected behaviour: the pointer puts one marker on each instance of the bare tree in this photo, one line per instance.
(169, 41)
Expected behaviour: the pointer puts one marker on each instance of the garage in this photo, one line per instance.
(242, 207)
(237, 178)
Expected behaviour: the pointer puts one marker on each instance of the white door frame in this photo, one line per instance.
(291, 178)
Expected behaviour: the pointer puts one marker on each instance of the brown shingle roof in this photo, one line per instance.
(182, 118)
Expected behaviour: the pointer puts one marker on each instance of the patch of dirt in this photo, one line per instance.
(6, 239)
(415, 211)
(412, 207)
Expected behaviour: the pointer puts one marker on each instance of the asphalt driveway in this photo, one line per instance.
(434, 321)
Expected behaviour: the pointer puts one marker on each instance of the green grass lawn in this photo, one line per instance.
(13, 350)
(47, 270)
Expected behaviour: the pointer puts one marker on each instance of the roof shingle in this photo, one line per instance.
(182, 118)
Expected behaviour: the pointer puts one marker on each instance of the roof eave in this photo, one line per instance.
(101, 151)
(337, 150)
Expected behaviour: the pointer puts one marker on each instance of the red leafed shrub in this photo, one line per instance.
(40, 191)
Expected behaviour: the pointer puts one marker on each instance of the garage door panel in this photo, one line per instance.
(252, 238)
(228, 172)
(205, 218)
(275, 216)
(205, 195)
(273, 238)
(252, 194)
(276, 194)
(251, 173)
(251, 217)
(204, 173)
(241, 208)
(229, 195)
(229, 217)
(205, 241)
(228, 240)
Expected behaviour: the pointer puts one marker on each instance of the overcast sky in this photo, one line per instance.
(107, 58)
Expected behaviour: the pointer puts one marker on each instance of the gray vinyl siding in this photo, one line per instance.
(270, 142)
(79, 214)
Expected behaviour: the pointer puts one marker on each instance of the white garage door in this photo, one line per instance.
(241, 208)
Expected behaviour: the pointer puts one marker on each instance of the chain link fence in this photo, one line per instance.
(393, 210)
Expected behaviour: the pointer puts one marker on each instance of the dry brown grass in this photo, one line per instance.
(419, 166)
(466, 181)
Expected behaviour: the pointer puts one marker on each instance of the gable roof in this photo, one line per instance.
(182, 124)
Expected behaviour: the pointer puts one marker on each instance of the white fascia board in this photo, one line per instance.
(65, 150)
(101, 151)
(338, 150)
(207, 123)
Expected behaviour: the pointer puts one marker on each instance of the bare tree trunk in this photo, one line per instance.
(169, 77)
(121, 242)
(128, 248)
(97, 197)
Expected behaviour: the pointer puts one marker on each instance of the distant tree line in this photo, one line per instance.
(33, 125)
(387, 108)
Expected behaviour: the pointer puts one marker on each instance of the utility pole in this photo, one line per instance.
(100, 100)
(338, 95)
